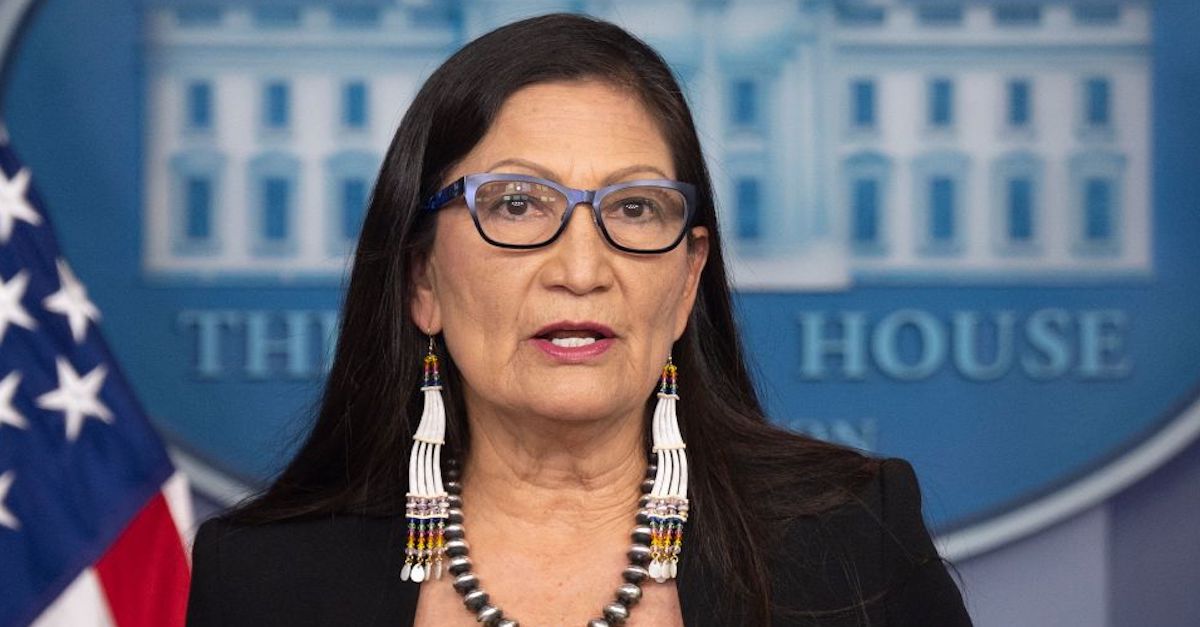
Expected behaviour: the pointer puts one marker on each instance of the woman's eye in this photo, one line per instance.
(513, 206)
(516, 206)
(636, 209)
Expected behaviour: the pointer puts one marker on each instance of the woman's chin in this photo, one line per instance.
(571, 405)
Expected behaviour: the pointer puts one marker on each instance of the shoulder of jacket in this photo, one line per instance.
(327, 570)
(338, 529)
(885, 517)
(865, 545)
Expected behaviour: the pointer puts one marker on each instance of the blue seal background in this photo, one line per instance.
(72, 101)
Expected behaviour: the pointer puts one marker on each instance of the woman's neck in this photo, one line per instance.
(582, 476)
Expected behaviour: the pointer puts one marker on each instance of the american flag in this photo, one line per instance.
(92, 512)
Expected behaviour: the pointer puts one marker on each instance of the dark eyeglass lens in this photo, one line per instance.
(644, 217)
(519, 212)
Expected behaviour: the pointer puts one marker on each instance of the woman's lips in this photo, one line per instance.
(574, 327)
(573, 350)
(574, 341)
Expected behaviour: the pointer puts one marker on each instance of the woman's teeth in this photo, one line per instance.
(572, 342)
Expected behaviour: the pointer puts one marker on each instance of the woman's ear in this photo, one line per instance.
(697, 256)
(425, 309)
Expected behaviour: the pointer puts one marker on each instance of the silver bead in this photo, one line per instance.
(616, 613)
(639, 554)
(457, 548)
(641, 534)
(460, 565)
(629, 594)
(454, 500)
(647, 486)
(489, 615)
(475, 599)
(508, 622)
(466, 582)
(453, 487)
(454, 531)
(454, 515)
(597, 622)
(644, 501)
(651, 471)
(635, 574)
(642, 518)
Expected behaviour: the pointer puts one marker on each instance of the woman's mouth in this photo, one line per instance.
(574, 342)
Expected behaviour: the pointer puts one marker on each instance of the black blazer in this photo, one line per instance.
(344, 570)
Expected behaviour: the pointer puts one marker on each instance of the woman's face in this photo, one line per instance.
(505, 313)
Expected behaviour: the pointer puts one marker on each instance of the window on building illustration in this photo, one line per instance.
(1019, 102)
(941, 210)
(862, 96)
(354, 104)
(276, 16)
(194, 197)
(939, 14)
(199, 105)
(350, 176)
(859, 13)
(198, 15)
(749, 208)
(1097, 102)
(276, 109)
(1020, 210)
(276, 198)
(865, 229)
(745, 102)
(1096, 177)
(865, 178)
(198, 203)
(1017, 14)
(1097, 210)
(354, 204)
(356, 15)
(1097, 13)
(941, 103)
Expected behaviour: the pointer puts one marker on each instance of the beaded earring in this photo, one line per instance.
(667, 506)
(427, 504)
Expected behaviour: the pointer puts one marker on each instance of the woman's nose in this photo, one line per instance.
(580, 255)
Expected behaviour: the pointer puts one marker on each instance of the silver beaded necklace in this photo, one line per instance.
(478, 602)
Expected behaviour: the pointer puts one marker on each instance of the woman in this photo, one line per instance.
(506, 373)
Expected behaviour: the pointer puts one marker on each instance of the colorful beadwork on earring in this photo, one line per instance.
(427, 504)
(667, 504)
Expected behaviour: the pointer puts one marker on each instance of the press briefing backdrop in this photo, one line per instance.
(962, 231)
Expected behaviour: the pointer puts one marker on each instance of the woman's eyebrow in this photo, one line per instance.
(626, 171)
(608, 180)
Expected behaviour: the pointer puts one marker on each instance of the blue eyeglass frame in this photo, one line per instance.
(469, 184)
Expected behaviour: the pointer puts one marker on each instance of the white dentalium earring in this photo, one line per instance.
(427, 505)
(667, 506)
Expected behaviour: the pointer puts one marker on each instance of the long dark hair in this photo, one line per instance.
(352, 460)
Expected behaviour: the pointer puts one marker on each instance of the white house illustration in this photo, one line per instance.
(896, 141)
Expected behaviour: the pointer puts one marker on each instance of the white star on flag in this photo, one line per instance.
(11, 310)
(71, 300)
(8, 413)
(76, 396)
(13, 204)
(7, 518)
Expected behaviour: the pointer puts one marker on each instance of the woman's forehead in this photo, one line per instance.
(585, 131)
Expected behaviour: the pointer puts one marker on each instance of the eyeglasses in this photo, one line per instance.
(519, 211)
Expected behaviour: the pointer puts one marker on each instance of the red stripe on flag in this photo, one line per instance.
(144, 573)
